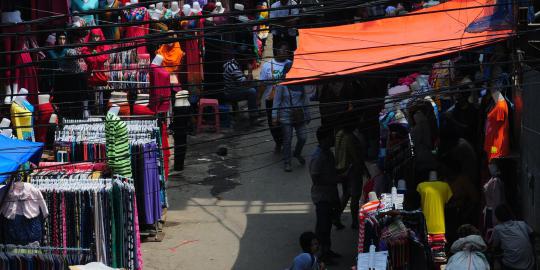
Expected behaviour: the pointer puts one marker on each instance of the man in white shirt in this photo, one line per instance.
(271, 72)
(284, 30)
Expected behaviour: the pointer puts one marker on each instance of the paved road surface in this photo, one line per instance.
(239, 212)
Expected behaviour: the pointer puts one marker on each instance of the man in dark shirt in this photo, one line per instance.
(324, 192)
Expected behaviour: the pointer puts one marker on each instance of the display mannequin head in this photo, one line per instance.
(152, 7)
(186, 9)
(496, 95)
(174, 7)
(157, 60)
(181, 99)
(114, 109)
(159, 6)
(372, 196)
(196, 7)
(219, 7)
(433, 176)
(11, 17)
(44, 98)
(5, 122)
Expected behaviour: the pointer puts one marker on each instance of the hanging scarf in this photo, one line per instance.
(172, 56)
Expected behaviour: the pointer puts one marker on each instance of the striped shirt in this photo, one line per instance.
(367, 210)
(117, 145)
(233, 76)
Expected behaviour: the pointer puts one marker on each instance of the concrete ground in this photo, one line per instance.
(241, 211)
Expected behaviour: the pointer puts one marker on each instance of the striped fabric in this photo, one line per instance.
(233, 76)
(367, 209)
(117, 145)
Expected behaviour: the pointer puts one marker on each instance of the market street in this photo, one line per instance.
(241, 213)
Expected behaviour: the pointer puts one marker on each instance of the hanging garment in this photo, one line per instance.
(366, 211)
(497, 142)
(108, 18)
(85, 6)
(19, 69)
(96, 63)
(136, 15)
(434, 195)
(21, 117)
(180, 130)
(193, 50)
(43, 115)
(172, 56)
(160, 93)
(117, 145)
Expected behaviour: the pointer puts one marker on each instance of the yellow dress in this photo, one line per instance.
(21, 118)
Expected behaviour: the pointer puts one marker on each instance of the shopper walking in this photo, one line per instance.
(290, 112)
(350, 165)
(324, 192)
(271, 72)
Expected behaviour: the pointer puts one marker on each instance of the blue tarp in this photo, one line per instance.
(14, 153)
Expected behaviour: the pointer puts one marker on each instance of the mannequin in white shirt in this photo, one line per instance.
(196, 8)
(174, 8)
(186, 10)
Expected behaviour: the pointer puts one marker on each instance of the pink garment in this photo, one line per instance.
(494, 192)
(64, 225)
(24, 199)
(137, 233)
(44, 112)
(409, 79)
(136, 30)
(160, 93)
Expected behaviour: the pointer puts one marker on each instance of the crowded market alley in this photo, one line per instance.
(269, 134)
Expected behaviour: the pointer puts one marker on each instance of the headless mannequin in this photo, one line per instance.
(372, 196)
(180, 125)
(157, 60)
(6, 131)
(433, 176)
(44, 98)
(21, 97)
(114, 109)
(22, 119)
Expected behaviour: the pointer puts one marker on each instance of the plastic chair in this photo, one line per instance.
(205, 103)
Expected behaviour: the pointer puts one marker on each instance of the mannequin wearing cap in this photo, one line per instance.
(180, 125)
(26, 75)
(85, 6)
(22, 116)
(44, 115)
(110, 17)
(193, 47)
(434, 194)
(136, 14)
(160, 83)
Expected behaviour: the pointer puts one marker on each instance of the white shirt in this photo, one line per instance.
(272, 70)
(283, 12)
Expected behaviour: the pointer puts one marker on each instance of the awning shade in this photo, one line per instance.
(427, 33)
(14, 153)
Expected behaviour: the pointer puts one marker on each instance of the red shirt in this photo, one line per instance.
(497, 142)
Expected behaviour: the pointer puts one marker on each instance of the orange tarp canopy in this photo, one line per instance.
(360, 47)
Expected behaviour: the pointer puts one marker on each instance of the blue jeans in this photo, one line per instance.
(249, 94)
(287, 140)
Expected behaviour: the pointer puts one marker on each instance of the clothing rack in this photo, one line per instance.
(8, 247)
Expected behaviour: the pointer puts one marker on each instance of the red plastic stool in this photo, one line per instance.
(204, 103)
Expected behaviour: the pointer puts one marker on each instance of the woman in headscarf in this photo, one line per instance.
(96, 62)
(172, 55)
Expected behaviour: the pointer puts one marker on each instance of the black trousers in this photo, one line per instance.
(180, 125)
(275, 131)
(325, 212)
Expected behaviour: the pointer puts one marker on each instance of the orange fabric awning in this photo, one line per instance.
(360, 47)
